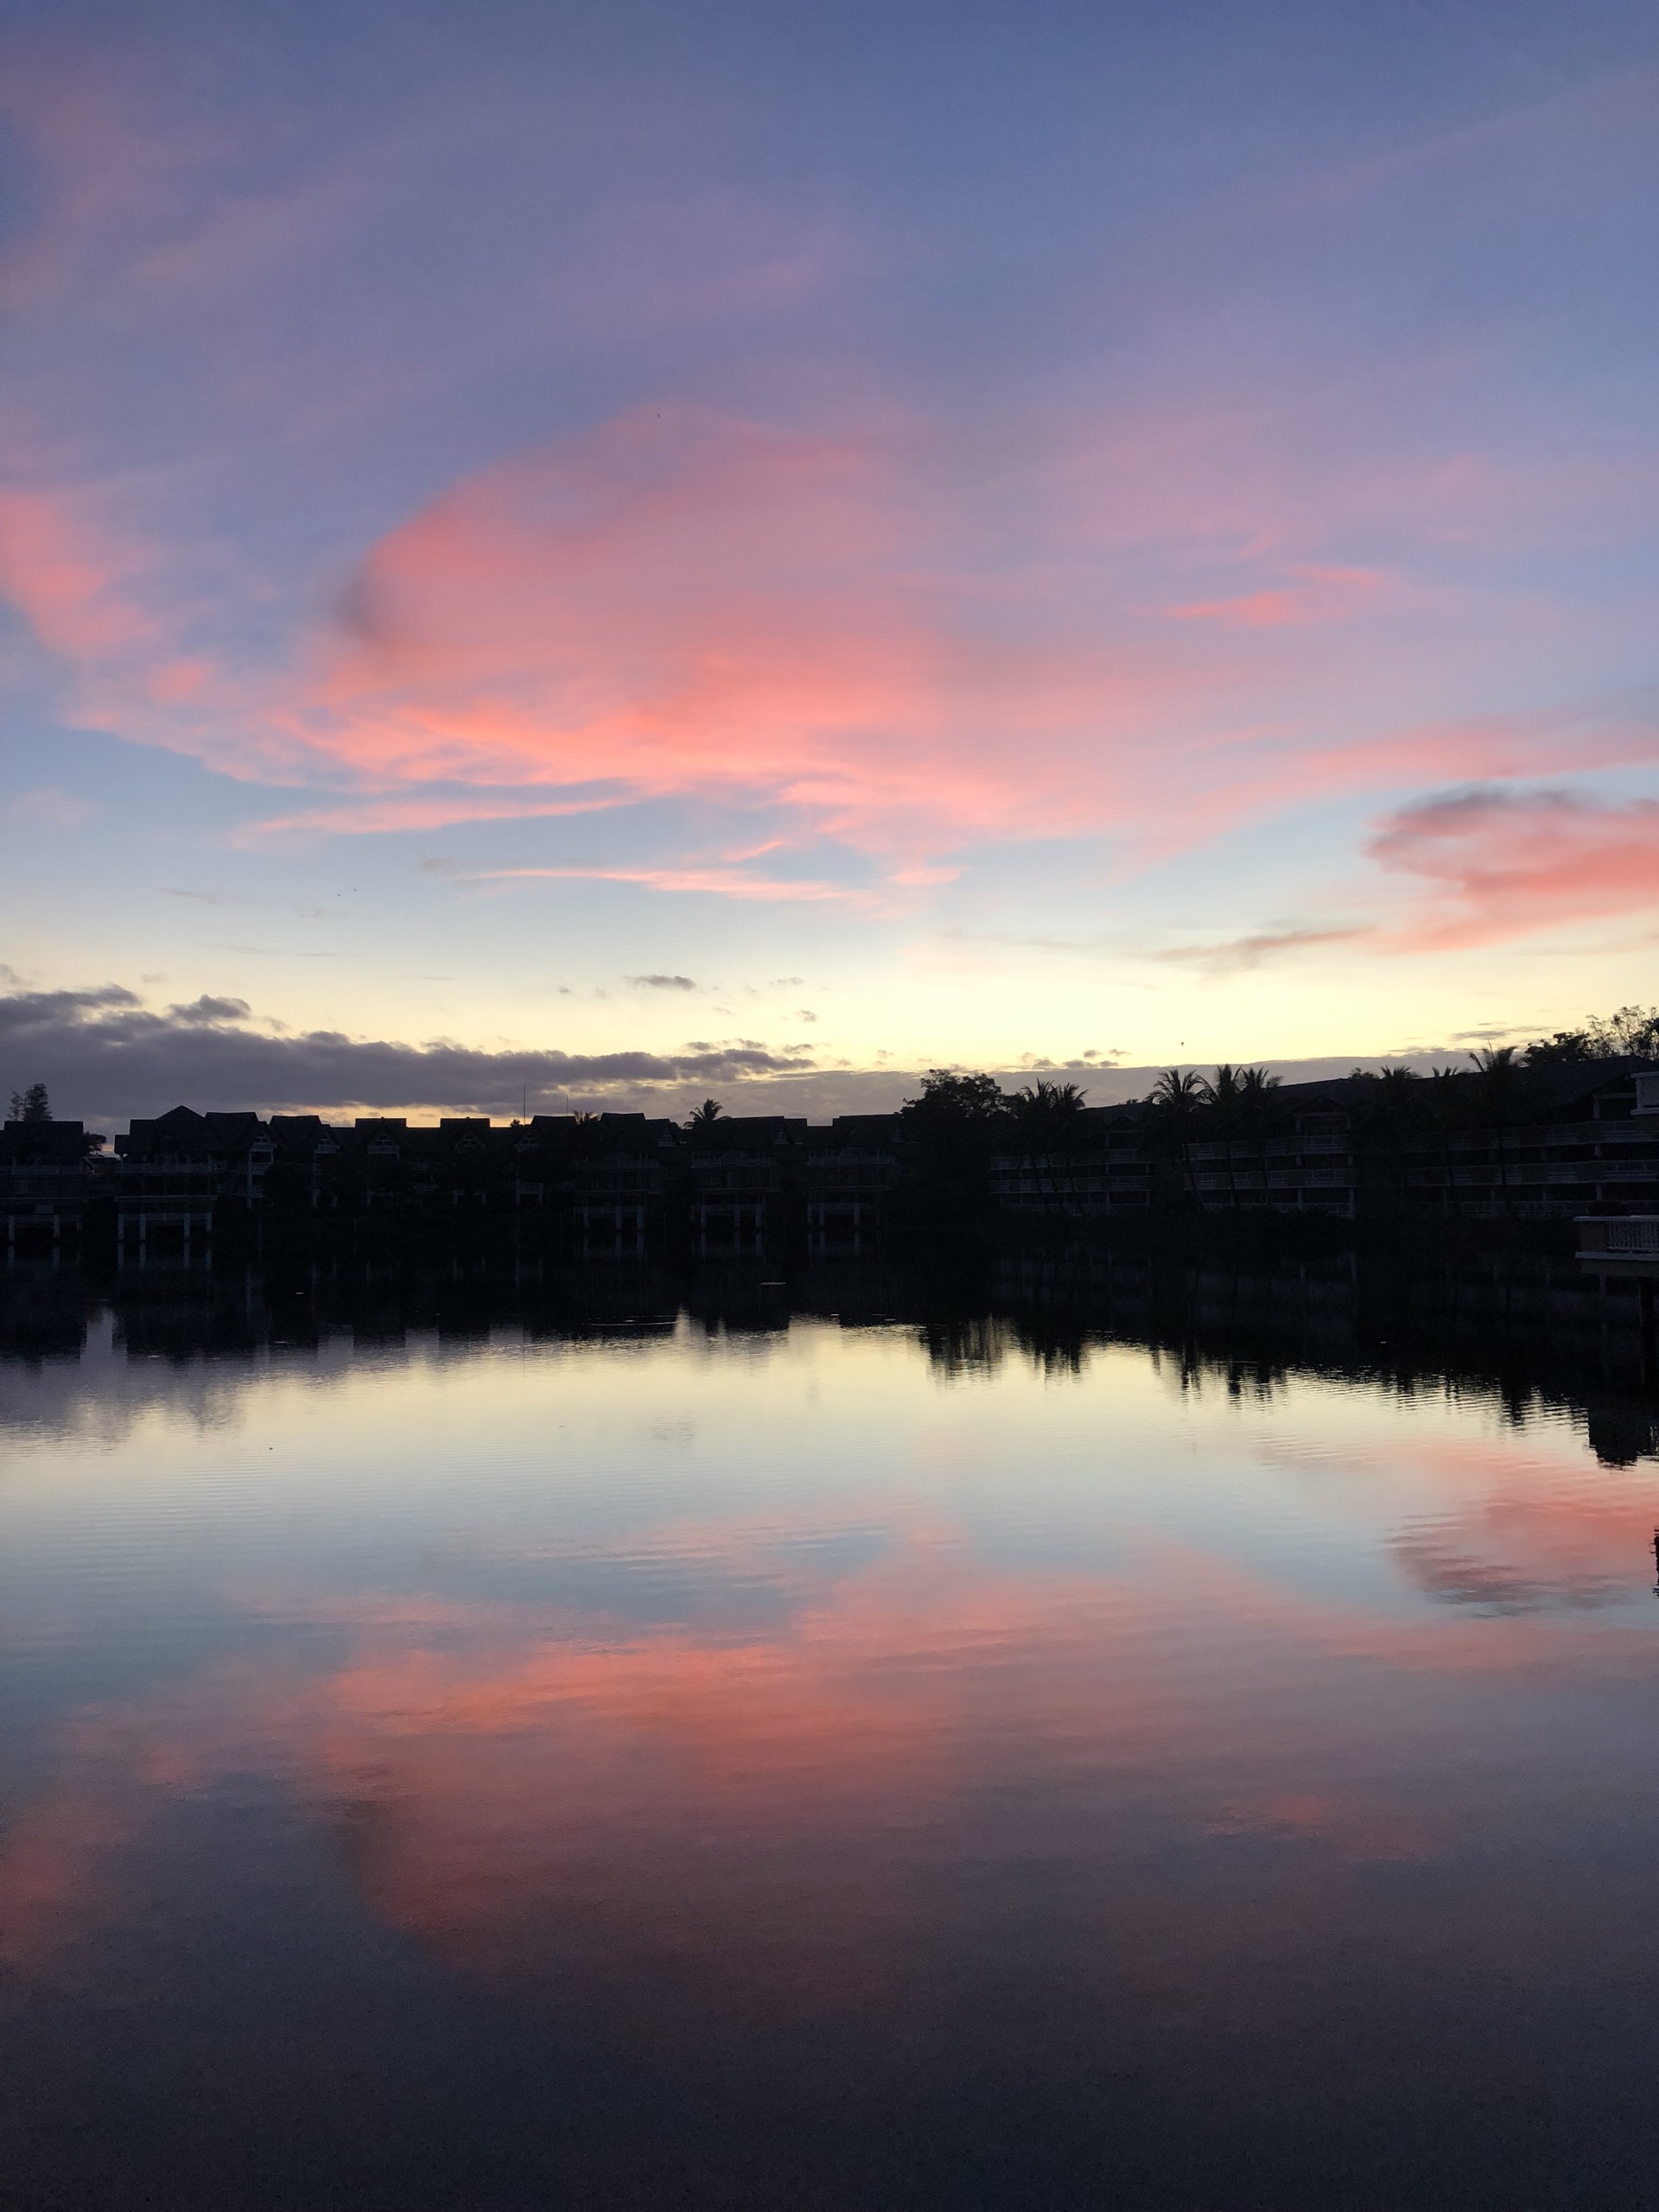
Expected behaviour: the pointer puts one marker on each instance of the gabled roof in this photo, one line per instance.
(739, 1132)
(1568, 1092)
(1101, 1117)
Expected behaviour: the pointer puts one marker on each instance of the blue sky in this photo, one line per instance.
(966, 536)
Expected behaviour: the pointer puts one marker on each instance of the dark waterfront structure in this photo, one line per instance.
(182, 1172)
(1551, 1143)
(742, 1177)
(852, 1170)
(46, 1181)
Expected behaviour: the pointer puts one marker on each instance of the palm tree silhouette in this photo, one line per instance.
(1177, 1097)
(1179, 1092)
(1445, 1106)
(1388, 1106)
(1237, 1099)
(1496, 1083)
(1048, 1123)
(1254, 1084)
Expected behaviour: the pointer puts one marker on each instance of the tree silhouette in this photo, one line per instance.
(1226, 1092)
(1178, 1096)
(952, 1130)
(950, 1100)
(1631, 1033)
(1178, 1093)
(1045, 1112)
(1236, 1103)
(1254, 1084)
(1498, 1073)
(1048, 1123)
(30, 1105)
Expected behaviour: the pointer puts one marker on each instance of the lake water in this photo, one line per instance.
(479, 1751)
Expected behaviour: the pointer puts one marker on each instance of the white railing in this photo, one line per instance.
(1636, 1234)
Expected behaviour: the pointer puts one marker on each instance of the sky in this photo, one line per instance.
(614, 552)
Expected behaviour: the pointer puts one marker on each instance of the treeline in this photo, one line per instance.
(956, 1108)
(962, 1123)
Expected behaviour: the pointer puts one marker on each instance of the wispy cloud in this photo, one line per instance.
(373, 818)
(46, 809)
(716, 880)
(1308, 596)
(1234, 956)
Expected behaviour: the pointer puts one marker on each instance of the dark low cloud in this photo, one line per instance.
(1238, 954)
(106, 1056)
(205, 1010)
(661, 982)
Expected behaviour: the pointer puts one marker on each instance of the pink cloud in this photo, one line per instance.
(1150, 621)
(46, 809)
(1313, 595)
(1504, 864)
(725, 880)
(684, 604)
(1604, 734)
(68, 578)
(372, 818)
(102, 174)
(681, 603)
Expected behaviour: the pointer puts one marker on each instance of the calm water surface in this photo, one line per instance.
(819, 1764)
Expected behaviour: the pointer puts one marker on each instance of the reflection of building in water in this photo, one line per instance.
(1535, 1338)
(1532, 1327)
(1621, 1431)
